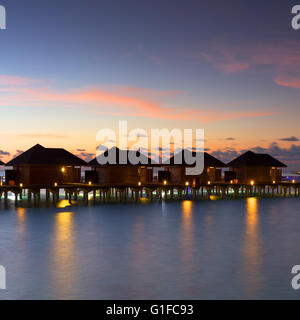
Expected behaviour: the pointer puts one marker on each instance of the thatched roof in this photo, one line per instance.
(252, 159)
(209, 160)
(121, 154)
(39, 155)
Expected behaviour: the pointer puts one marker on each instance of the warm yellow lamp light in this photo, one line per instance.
(21, 185)
(165, 182)
(63, 169)
(55, 184)
(208, 182)
(293, 181)
(139, 183)
(274, 181)
(252, 183)
(231, 181)
(187, 183)
(90, 183)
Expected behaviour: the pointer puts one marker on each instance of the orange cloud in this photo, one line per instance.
(116, 100)
(291, 82)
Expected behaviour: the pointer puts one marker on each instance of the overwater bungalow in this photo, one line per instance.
(119, 173)
(256, 167)
(44, 166)
(176, 173)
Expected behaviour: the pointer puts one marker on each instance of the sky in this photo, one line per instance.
(69, 68)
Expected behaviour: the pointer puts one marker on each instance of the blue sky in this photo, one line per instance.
(70, 68)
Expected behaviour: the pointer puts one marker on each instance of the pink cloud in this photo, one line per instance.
(143, 92)
(234, 67)
(281, 60)
(226, 63)
(118, 101)
(6, 80)
(285, 81)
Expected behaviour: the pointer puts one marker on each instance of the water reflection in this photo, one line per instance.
(187, 208)
(251, 250)
(21, 217)
(252, 217)
(139, 250)
(145, 200)
(195, 250)
(63, 253)
(63, 204)
(187, 234)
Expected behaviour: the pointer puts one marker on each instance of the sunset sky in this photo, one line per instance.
(72, 67)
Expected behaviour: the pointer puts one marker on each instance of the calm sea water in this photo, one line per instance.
(180, 250)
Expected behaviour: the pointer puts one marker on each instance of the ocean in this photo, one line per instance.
(225, 249)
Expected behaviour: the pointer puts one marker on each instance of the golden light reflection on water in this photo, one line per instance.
(187, 234)
(251, 216)
(145, 200)
(21, 217)
(63, 204)
(63, 227)
(187, 208)
(63, 252)
(251, 250)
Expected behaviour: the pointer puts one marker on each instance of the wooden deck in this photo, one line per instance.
(97, 192)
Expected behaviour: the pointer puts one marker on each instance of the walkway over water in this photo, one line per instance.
(166, 191)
